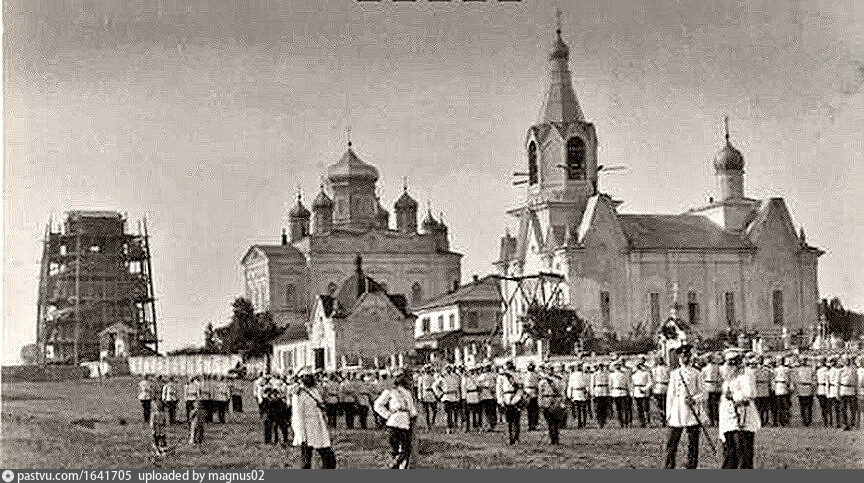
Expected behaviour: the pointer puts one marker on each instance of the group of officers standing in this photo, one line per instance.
(479, 398)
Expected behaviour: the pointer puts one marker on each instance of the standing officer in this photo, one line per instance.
(205, 395)
(683, 399)
(471, 394)
(860, 390)
(509, 396)
(549, 399)
(823, 382)
(365, 400)
(782, 385)
(145, 396)
(330, 390)
(397, 406)
(848, 379)
(600, 392)
(190, 394)
(426, 395)
(642, 384)
(486, 382)
(805, 382)
(258, 391)
(169, 399)
(834, 390)
(619, 391)
(530, 382)
(763, 375)
(577, 392)
(660, 377)
(711, 383)
(739, 419)
(449, 388)
(221, 396)
(236, 387)
(348, 399)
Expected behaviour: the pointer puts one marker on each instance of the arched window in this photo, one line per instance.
(575, 158)
(290, 296)
(532, 163)
(416, 293)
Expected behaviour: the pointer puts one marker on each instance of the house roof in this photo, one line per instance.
(678, 232)
(482, 290)
(439, 336)
(273, 251)
(292, 333)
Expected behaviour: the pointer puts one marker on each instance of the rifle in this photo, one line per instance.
(696, 415)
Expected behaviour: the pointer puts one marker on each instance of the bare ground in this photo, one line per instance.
(92, 424)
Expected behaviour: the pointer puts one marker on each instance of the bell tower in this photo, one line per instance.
(560, 155)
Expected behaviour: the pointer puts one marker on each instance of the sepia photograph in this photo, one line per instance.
(250, 235)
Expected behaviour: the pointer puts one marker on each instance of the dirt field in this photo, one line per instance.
(78, 425)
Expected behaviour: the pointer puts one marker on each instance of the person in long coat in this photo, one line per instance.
(307, 422)
(684, 398)
(397, 407)
(739, 419)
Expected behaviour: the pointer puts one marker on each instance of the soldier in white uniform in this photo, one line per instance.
(782, 384)
(530, 382)
(550, 400)
(471, 395)
(822, 384)
(711, 381)
(739, 419)
(660, 377)
(449, 389)
(258, 390)
(600, 392)
(170, 397)
(764, 402)
(486, 382)
(642, 384)
(848, 379)
(396, 406)
(307, 423)
(190, 394)
(683, 400)
(577, 392)
(619, 391)
(509, 396)
(805, 386)
(860, 401)
(427, 396)
(834, 390)
(145, 396)
(221, 396)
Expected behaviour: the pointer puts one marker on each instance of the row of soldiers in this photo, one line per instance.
(214, 392)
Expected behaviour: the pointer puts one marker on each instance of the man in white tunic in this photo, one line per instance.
(577, 392)
(642, 384)
(307, 422)
(396, 406)
(509, 396)
(683, 400)
(739, 418)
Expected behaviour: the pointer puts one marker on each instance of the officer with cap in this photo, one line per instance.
(530, 382)
(600, 392)
(683, 400)
(577, 392)
(619, 384)
(805, 386)
(642, 384)
(823, 382)
(427, 396)
(509, 396)
(711, 381)
(848, 379)
(449, 389)
(783, 387)
(739, 419)
(660, 377)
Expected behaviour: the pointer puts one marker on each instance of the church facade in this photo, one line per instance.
(317, 253)
(736, 263)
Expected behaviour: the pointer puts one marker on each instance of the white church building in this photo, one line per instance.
(734, 263)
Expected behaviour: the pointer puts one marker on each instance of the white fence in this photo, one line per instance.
(184, 365)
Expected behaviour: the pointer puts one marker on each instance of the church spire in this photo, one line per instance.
(560, 103)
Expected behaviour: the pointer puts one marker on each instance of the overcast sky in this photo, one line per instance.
(206, 118)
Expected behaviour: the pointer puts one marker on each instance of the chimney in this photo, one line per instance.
(284, 237)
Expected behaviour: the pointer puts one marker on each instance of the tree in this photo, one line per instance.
(559, 326)
(248, 332)
(211, 343)
(845, 323)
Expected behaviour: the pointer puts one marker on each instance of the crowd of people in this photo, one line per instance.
(738, 392)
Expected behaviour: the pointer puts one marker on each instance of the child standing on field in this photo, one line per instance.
(158, 421)
(196, 423)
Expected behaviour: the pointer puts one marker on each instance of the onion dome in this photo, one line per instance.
(728, 158)
(299, 211)
(351, 167)
(405, 202)
(429, 223)
(322, 200)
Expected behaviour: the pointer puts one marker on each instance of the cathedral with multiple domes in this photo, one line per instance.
(735, 264)
(318, 252)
